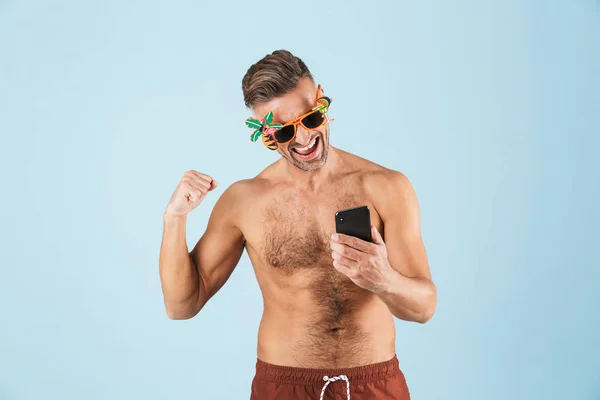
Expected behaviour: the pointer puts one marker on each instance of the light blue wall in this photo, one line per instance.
(490, 108)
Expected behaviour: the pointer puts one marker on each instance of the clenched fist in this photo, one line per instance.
(189, 193)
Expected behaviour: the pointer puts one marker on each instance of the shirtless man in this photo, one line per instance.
(327, 330)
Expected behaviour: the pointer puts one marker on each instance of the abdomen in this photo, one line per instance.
(329, 323)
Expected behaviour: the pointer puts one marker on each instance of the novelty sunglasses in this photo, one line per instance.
(274, 134)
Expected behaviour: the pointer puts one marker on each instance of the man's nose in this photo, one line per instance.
(302, 135)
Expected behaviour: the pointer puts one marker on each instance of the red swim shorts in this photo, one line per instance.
(381, 381)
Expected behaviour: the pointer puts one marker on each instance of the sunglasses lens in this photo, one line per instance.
(313, 120)
(285, 134)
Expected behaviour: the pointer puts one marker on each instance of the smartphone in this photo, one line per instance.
(354, 222)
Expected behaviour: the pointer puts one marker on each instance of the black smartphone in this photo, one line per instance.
(354, 222)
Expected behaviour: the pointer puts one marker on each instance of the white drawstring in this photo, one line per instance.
(333, 379)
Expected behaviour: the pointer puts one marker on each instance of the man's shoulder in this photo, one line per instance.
(244, 187)
(376, 175)
(385, 177)
(245, 190)
(380, 181)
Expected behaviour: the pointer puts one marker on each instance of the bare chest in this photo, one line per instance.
(292, 232)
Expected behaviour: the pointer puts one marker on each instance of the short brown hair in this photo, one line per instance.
(272, 77)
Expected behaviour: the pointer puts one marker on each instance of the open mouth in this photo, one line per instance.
(308, 152)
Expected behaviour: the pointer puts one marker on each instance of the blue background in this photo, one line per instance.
(490, 108)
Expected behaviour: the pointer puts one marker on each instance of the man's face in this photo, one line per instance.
(308, 151)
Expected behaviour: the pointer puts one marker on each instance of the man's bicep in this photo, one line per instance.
(219, 249)
(402, 230)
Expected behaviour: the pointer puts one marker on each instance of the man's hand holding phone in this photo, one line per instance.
(364, 262)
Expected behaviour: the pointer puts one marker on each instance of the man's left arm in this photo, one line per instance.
(396, 269)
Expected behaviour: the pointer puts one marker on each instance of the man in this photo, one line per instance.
(327, 329)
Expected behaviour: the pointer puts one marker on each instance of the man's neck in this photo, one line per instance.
(312, 181)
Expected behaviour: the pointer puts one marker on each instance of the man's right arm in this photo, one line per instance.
(190, 279)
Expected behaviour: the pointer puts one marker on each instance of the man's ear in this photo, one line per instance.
(320, 91)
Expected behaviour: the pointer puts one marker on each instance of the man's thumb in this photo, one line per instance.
(377, 239)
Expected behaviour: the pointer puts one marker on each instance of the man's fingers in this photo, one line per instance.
(194, 184)
(348, 262)
(202, 178)
(377, 239)
(200, 175)
(193, 194)
(198, 181)
(344, 269)
(355, 243)
(205, 185)
(195, 188)
(347, 251)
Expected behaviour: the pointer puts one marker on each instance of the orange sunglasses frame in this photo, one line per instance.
(298, 121)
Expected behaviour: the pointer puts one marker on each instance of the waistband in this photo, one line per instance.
(312, 376)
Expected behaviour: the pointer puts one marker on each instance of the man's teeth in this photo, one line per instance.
(310, 146)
